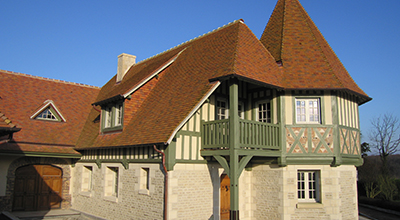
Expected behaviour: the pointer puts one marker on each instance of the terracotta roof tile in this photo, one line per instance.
(22, 94)
(308, 60)
(162, 103)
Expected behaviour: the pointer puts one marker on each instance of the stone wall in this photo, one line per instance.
(338, 193)
(131, 201)
(267, 190)
(190, 191)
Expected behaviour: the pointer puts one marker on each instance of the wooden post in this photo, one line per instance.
(233, 148)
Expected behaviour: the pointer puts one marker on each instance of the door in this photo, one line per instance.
(225, 197)
(37, 187)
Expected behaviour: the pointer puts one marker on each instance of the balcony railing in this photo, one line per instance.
(253, 135)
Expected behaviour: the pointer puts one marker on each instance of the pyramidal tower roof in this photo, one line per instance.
(308, 61)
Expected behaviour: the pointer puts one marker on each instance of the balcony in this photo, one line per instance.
(252, 135)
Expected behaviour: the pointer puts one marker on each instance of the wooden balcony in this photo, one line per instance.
(252, 135)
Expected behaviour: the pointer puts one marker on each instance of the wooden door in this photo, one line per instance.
(37, 187)
(225, 197)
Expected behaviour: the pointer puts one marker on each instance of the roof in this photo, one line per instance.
(22, 95)
(308, 62)
(232, 50)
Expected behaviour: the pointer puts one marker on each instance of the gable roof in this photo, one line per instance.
(22, 95)
(307, 59)
(232, 50)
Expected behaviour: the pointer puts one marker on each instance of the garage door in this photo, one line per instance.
(37, 187)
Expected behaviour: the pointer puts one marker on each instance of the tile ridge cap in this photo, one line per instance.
(191, 40)
(48, 79)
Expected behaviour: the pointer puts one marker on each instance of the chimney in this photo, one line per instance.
(125, 61)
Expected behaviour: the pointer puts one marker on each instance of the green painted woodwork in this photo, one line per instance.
(170, 155)
(251, 134)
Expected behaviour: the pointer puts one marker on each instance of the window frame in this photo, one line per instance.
(305, 187)
(217, 109)
(109, 119)
(307, 110)
(257, 110)
(52, 111)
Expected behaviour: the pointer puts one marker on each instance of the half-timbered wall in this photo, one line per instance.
(347, 110)
(188, 139)
(122, 155)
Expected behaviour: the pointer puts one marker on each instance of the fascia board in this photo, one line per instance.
(48, 102)
(194, 110)
(156, 72)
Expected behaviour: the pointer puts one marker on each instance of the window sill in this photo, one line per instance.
(86, 193)
(309, 206)
(111, 198)
(144, 191)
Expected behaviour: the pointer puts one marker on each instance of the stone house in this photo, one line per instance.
(224, 126)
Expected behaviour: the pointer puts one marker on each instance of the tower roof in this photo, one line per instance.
(308, 62)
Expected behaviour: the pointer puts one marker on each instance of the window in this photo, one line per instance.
(112, 117)
(144, 178)
(308, 183)
(308, 111)
(222, 109)
(48, 112)
(111, 181)
(264, 111)
(241, 110)
(87, 178)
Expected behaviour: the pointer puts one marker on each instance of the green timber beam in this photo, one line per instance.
(234, 135)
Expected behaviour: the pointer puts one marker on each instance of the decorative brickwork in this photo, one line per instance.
(7, 200)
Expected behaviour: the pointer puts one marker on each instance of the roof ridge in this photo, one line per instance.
(48, 79)
(193, 39)
(4, 118)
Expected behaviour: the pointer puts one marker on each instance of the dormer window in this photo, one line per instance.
(47, 115)
(112, 117)
(48, 112)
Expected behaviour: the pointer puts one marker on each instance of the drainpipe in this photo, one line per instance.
(165, 182)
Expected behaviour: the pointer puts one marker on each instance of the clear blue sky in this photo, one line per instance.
(79, 41)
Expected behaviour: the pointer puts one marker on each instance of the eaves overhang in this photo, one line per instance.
(362, 98)
(245, 79)
(109, 100)
(8, 130)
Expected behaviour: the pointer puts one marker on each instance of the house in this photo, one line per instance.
(224, 126)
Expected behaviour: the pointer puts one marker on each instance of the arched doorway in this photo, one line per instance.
(225, 197)
(37, 187)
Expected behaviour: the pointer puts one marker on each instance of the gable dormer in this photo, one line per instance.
(48, 112)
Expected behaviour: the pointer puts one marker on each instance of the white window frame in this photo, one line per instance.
(112, 182)
(144, 180)
(307, 113)
(266, 110)
(118, 114)
(222, 112)
(113, 116)
(308, 186)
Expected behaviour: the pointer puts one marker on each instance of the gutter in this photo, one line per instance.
(165, 182)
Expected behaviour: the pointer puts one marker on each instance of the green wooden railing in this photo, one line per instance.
(253, 134)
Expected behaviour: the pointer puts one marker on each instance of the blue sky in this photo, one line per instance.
(79, 41)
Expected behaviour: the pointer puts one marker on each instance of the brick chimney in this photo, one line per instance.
(125, 61)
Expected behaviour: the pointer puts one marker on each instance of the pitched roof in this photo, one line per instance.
(307, 59)
(22, 95)
(230, 50)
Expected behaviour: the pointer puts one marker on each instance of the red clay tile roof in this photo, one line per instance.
(20, 97)
(158, 107)
(308, 60)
